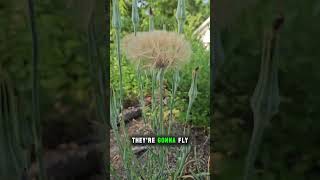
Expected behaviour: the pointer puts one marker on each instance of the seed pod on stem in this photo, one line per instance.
(135, 16)
(151, 19)
(265, 100)
(181, 15)
(193, 92)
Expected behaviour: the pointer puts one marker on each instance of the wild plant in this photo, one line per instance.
(154, 53)
(266, 99)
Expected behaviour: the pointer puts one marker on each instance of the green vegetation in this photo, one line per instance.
(44, 54)
(166, 140)
(288, 149)
(200, 57)
(64, 78)
(156, 75)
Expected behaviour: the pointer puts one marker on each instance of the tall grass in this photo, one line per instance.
(13, 156)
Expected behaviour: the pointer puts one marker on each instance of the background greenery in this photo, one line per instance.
(164, 15)
(290, 149)
(291, 146)
(66, 101)
(65, 90)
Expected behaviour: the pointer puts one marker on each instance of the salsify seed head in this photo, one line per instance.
(157, 49)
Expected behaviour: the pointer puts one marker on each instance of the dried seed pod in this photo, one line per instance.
(157, 49)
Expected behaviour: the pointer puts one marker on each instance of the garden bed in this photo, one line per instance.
(200, 140)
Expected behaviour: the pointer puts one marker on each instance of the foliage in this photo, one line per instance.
(63, 63)
(156, 164)
(295, 129)
(63, 59)
(200, 58)
(164, 13)
(13, 156)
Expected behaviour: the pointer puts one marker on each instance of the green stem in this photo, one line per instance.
(180, 27)
(151, 23)
(192, 95)
(141, 91)
(36, 128)
(135, 30)
(161, 120)
(172, 101)
(254, 145)
(187, 119)
(161, 75)
(181, 15)
(181, 162)
(171, 113)
(153, 99)
(98, 73)
(120, 69)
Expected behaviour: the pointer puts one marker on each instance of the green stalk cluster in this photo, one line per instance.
(98, 72)
(193, 92)
(139, 70)
(185, 150)
(129, 160)
(156, 166)
(160, 77)
(182, 161)
(99, 79)
(13, 156)
(175, 84)
(140, 73)
(162, 150)
(181, 18)
(265, 100)
(153, 100)
(116, 23)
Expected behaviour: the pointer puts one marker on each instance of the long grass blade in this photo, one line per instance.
(35, 93)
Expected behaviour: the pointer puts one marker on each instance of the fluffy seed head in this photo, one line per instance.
(157, 49)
